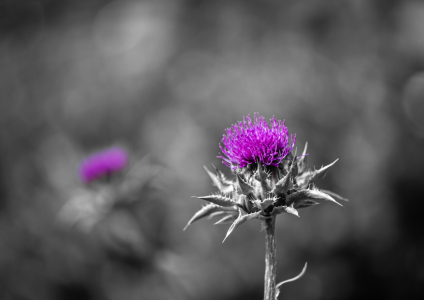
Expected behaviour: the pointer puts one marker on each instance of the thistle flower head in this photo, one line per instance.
(102, 163)
(250, 142)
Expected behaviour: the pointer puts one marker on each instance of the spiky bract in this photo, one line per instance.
(262, 193)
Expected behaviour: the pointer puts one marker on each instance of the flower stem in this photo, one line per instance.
(270, 259)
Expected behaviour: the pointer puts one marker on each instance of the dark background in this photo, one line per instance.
(164, 79)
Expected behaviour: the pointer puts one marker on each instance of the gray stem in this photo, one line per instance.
(270, 259)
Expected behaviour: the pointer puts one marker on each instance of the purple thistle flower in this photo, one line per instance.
(102, 163)
(248, 142)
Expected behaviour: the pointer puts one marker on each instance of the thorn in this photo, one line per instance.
(225, 238)
(335, 195)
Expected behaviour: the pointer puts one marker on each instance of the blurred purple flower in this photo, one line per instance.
(247, 143)
(102, 163)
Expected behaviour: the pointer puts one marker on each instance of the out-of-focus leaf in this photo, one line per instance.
(242, 218)
(206, 211)
(307, 194)
(140, 174)
(87, 208)
(219, 200)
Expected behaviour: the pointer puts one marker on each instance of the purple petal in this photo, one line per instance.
(246, 142)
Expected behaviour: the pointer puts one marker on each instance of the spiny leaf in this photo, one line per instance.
(291, 210)
(240, 199)
(319, 174)
(219, 200)
(267, 202)
(292, 161)
(294, 170)
(245, 188)
(283, 185)
(307, 194)
(304, 204)
(262, 176)
(302, 161)
(334, 195)
(219, 181)
(302, 180)
(287, 209)
(227, 219)
(242, 218)
(278, 210)
(222, 177)
(206, 211)
(216, 181)
(234, 213)
(277, 287)
(216, 214)
(248, 205)
(266, 188)
(244, 203)
(289, 157)
(257, 203)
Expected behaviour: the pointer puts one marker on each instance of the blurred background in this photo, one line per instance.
(163, 79)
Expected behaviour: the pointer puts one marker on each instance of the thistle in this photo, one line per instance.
(101, 192)
(269, 181)
(103, 163)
